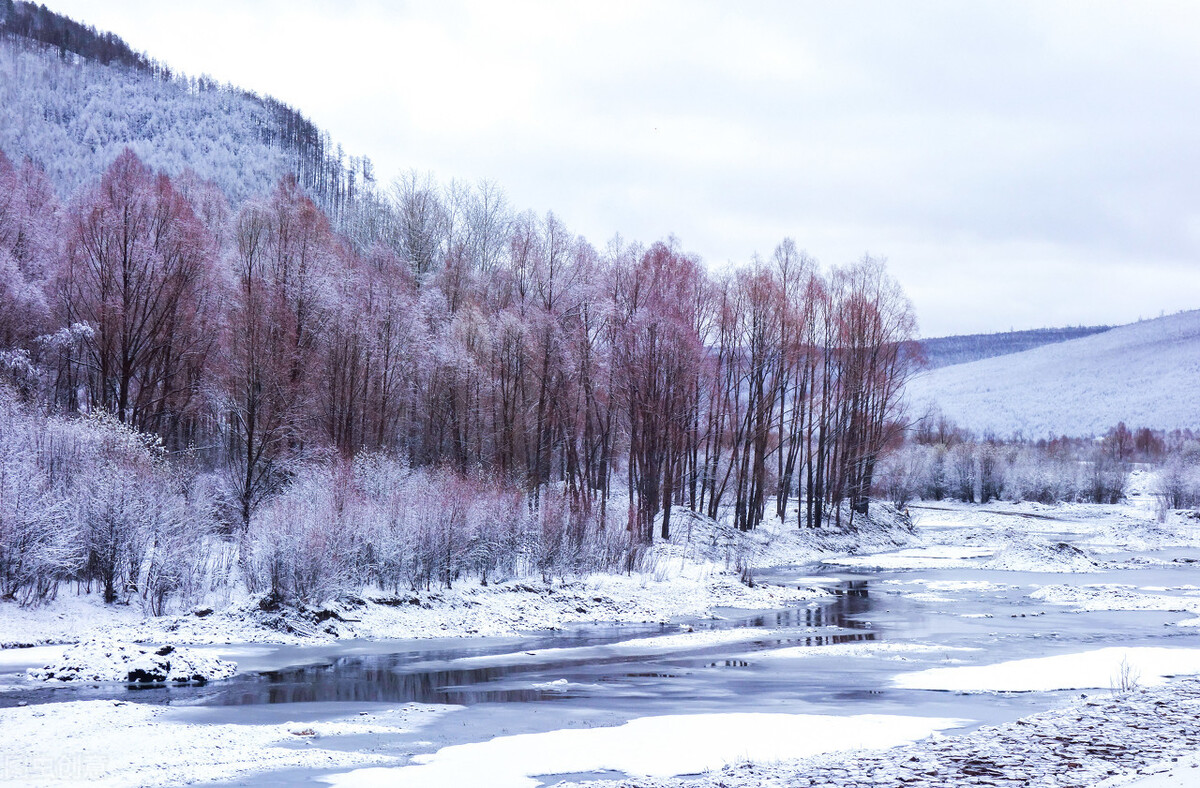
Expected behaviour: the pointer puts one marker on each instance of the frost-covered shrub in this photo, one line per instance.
(935, 485)
(552, 535)
(905, 474)
(978, 472)
(177, 558)
(113, 508)
(95, 501)
(497, 521)
(431, 528)
(128, 511)
(304, 544)
(389, 523)
(377, 521)
(1177, 485)
(1033, 475)
(992, 468)
(963, 472)
(1106, 479)
(37, 546)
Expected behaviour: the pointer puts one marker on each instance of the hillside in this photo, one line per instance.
(965, 348)
(72, 98)
(1145, 374)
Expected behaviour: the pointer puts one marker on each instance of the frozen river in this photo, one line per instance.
(937, 607)
(832, 658)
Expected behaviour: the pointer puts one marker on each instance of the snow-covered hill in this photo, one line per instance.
(72, 114)
(1146, 374)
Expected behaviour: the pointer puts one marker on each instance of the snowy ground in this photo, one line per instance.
(1070, 560)
(1103, 668)
(114, 743)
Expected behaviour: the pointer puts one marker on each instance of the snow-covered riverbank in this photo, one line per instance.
(118, 743)
(696, 573)
(467, 610)
(692, 575)
(1038, 569)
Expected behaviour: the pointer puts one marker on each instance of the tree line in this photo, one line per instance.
(940, 461)
(453, 333)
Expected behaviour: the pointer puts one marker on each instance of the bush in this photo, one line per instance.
(94, 501)
(1178, 484)
(37, 548)
(1106, 479)
(1035, 475)
(303, 545)
(905, 474)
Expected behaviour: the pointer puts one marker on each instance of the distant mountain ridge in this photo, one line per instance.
(965, 348)
(1146, 374)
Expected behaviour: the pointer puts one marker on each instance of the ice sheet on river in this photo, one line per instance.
(639, 646)
(933, 557)
(651, 746)
(1098, 669)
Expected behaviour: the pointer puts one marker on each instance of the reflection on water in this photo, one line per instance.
(377, 679)
(389, 678)
(851, 598)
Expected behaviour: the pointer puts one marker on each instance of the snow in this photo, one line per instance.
(1145, 735)
(688, 576)
(1143, 374)
(74, 119)
(1028, 537)
(775, 542)
(106, 660)
(1042, 557)
(1020, 552)
(694, 574)
(114, 743)
(653, 746)
(1099, 669)
(1180, 773)
(1101, 596)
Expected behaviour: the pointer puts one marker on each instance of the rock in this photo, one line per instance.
(271, 603)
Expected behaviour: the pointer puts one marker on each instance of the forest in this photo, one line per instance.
(465, 390)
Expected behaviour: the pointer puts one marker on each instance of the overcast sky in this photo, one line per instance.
(1019, 164)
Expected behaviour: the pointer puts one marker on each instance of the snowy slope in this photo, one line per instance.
(1146, 374)
(73, 117)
